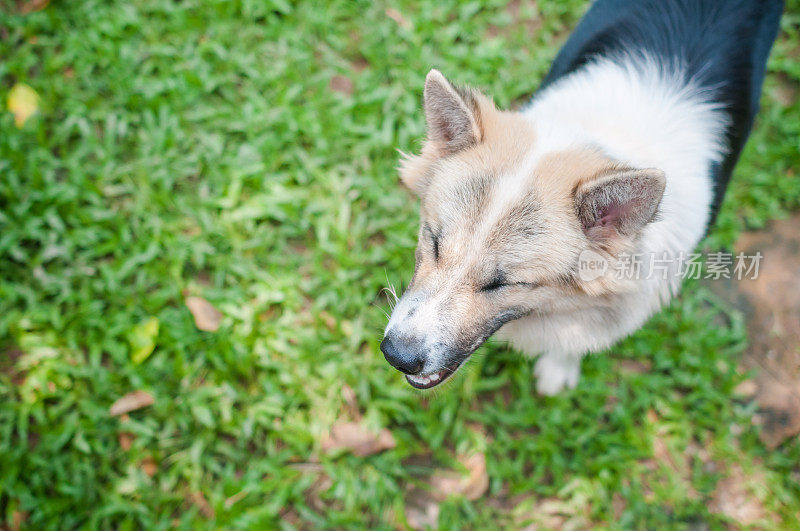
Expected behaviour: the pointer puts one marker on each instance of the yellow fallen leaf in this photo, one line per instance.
(131, 402)
(23, 102)
(355, 436)
(142, 339)
(206, 317)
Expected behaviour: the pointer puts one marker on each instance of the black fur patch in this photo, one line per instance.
(722, 45)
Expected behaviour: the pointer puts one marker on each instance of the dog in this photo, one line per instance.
(625, 150)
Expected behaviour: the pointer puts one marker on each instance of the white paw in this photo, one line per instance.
(556, 373)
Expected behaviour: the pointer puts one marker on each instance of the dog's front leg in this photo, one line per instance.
(556, 372)
(559, 342)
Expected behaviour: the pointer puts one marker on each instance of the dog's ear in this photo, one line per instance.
(454, 124)
(617, 205)
(452, 114)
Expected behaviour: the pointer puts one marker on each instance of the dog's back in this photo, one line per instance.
(719, 45)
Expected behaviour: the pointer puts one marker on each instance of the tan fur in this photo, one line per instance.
(505, 138)
(493, 215)
(561, 176)
(565, 171)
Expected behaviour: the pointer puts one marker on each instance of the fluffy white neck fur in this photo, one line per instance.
(645, 114)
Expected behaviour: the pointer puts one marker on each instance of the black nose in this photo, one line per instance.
(401, 354)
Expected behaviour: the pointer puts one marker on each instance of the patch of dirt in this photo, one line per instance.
(357, 438)
(785, 91)
(733, 498)
(771, 305)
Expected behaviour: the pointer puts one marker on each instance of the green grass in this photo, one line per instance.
(195, 148)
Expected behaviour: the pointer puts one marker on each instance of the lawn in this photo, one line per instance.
(243, 152)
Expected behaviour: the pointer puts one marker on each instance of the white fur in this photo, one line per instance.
(644, 114)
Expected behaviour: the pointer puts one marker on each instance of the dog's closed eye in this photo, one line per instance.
(498, 281)
(434, 236)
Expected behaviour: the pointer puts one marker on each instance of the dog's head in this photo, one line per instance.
(505, 215)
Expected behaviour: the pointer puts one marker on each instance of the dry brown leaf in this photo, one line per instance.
(290, 516)
(313, 494)
(126, 439)
(31, 5)
(18, 518)
(149, 466)
(634, 366)
(618, 505)
(357, 438)
(421, 511)
(747, 389)
(206, 317)
(351, 401)
(553, 513)
(472, 485)
(359, 65)
(230, 501)
(131, 402)
(532, 514)
(342, 84)
(328, 319)
(398, 17)
(200, 501)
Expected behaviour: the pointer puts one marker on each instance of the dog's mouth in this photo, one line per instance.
(430, 380)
